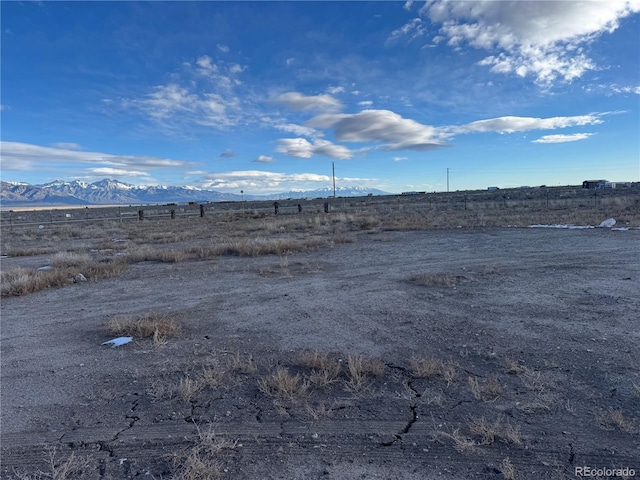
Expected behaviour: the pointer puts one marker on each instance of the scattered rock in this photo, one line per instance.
(80, 278)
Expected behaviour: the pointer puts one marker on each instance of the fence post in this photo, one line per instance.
(140, 215)
(173, 214)
(201, 210)
(51, 217)
(11, 220)
(119, 214)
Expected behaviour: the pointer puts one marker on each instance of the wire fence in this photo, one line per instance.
(513, 200)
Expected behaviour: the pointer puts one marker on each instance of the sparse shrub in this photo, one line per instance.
(281, 384)
(430, 367)
(156, 325)
(242, 364)
(614, 419)
(492, 431)
(488, 390)
(360, 370)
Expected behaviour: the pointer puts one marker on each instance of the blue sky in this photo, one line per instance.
(264, 96)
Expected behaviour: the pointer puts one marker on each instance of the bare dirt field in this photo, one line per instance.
(486, 353)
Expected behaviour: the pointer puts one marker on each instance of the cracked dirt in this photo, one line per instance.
(541, 331)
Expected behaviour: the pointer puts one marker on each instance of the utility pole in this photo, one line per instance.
(333, 167)
(447, 180)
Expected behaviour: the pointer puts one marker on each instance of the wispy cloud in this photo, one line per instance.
(300, 102)
(399, 159)
(116, 172)
(544, 40)
(512, 124)
(264, 159)
(560, 138)
(27, 157)
(413, 29)
(223, 48)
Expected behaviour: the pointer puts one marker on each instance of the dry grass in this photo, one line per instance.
(203, 460)
(281, 384)
(243, 364)
(615, 419)
(461, 442)
(319, 412)
(188, 388)
(489, 432)
(361, 370)
(487, 390)
(156, 325)
(59, 468)
(431, 367)
(507, 469)
(513, 367)
(22, 281)
(324, 370)
(436, 280)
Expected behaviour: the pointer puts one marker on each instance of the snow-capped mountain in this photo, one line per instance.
(115, 192)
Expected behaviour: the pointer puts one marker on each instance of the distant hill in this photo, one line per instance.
(115, 192)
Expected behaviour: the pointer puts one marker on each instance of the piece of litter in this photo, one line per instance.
(45, 267)
(118, 341)
(608, 223)
(80, 278)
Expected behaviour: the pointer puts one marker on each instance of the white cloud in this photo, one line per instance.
(407, 5)
(399, 159)
(384, 126)
(543, 39)
(296, 129)
(264, 159)
(512, 124)
(298, 101)
(334, 90)
(413, 29)
(302, 148)
(4, 107)
(290, 61)
(66, 145)
(365, 103)
(263, 182)
(617, 89)
(560, 138)
(223, 48)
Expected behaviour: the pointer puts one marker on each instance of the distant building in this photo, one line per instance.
(493, 188)
(594, 183)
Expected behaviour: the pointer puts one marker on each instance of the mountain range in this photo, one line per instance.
(115, 192)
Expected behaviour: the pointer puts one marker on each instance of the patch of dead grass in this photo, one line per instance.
(360, 370)
(431, 367)
(282, 384)
(156, 325)
(487, 390)
(489, 432)
(615, 419)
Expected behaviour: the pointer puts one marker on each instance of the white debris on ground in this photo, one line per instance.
(45, 267)
(608, 223)
(561, 226)
(116, 342)
(80, 278)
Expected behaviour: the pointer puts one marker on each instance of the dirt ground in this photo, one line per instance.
(540, 328)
